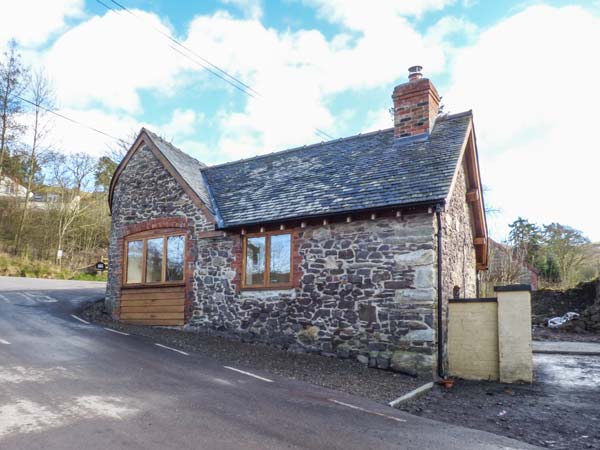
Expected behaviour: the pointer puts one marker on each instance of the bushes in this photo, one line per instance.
(24, 267)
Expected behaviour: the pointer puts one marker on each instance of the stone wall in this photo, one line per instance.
(459, 260)
(363, 289)
(146, 192)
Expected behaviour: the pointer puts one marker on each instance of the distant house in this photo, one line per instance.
(351, 246)
(10, 187)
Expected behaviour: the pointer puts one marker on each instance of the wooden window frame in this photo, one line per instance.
(266, 283)
(144, 236)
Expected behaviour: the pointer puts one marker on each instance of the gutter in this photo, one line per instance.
(440, 309)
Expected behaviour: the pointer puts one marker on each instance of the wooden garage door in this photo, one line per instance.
(153, 305)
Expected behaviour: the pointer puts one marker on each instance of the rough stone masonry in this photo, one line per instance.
(364, 289)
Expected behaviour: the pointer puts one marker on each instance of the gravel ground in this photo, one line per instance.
(556, 334)
(561, 410)
(347, 375)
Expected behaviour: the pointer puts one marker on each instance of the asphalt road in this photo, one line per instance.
(65, 384)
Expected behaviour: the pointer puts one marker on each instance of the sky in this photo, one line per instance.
(529, 70)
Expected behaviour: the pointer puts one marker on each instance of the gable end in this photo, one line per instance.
(474, 195)
(142, 140)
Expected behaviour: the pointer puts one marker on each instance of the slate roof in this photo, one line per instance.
(362, 172)
(188, 167)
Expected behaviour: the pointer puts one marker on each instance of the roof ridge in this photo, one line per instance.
(448, 116)
(302, 147)
(153, 135)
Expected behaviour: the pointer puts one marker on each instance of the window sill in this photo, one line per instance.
(266, 294)
(281, 287)
(153, 285)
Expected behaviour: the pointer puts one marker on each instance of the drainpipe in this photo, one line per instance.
(440, 296)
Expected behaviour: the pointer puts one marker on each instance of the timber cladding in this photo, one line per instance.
(153, 305)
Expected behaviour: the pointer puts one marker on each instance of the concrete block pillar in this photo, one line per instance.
(514, 333)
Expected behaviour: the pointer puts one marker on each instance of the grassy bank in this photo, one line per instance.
(24, 267)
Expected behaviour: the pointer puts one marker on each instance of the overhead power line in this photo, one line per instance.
(62, 116)
(202, 62)
(179, 44)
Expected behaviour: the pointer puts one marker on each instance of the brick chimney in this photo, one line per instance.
(416, 105)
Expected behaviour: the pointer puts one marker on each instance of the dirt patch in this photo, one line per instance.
(347, 375)
(561, 410)
(548, 303)
(541, 333)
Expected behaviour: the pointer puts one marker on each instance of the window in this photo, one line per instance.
(155, 259)
(267, 261)
(134, 261)
(175, 252)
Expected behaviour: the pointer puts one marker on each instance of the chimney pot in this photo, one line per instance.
(414, 73)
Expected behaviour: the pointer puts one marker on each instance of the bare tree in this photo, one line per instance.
(13, 82)
(70, 175)
(507, 265)
(117, 151)
(80, 167)
(42, 97)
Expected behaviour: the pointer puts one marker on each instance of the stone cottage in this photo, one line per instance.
(349, 247)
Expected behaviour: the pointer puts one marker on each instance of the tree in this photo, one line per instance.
(80, 166)
(565, 248)
(104, 171)
(14, 78)
(506, 266)
(118, 151)
(70, 174)
(525, 238)
(42, 97)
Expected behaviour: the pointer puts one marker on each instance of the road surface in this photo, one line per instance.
(65, 384)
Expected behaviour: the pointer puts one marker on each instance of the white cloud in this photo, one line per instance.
(108, 60)
(71, 138)
(531, 81)
(362, 15)
(183, 123)
(251, 8)
(297, 73)
(439, 32)
(104, 63)
(32, 22)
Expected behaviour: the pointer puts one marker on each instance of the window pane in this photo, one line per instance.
(175, 252)
(280, 258)
(134, 261)
(154, 254)
(255, 261)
